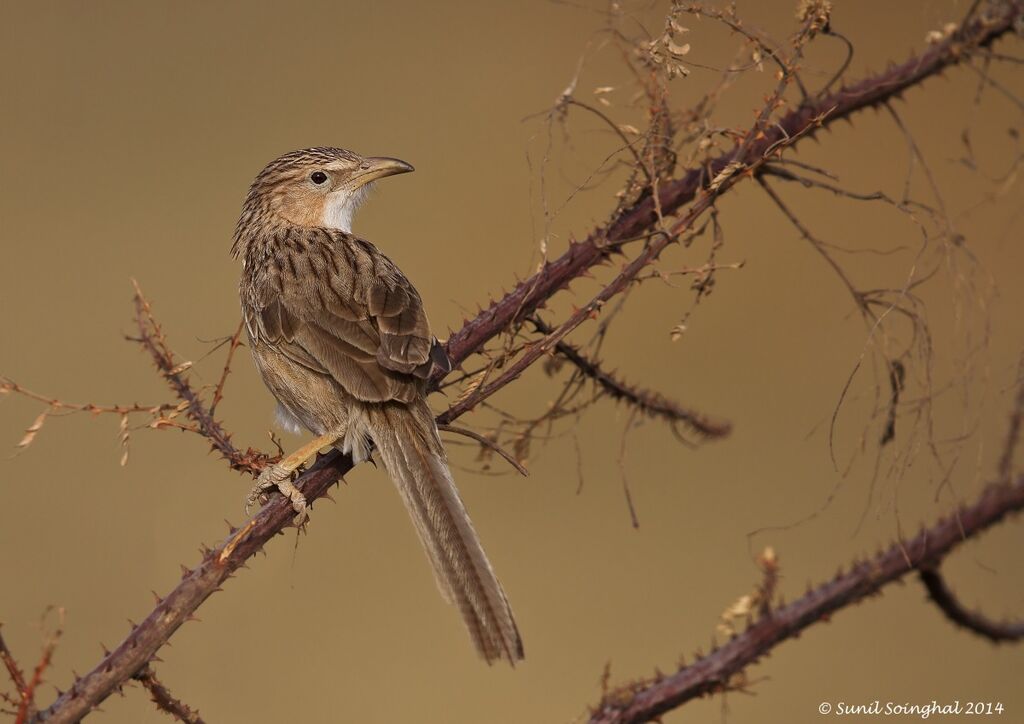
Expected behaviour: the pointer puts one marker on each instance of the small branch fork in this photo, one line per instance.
(762, 144)
(24, 702)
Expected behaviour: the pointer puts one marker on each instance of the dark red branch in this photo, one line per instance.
(974, 621)
(713, 672)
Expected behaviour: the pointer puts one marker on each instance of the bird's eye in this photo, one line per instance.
(318, 177)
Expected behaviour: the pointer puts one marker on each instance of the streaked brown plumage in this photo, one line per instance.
(340, 337)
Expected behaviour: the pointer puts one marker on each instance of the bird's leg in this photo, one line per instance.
(279, 476)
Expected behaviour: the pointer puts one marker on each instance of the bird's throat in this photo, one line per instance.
(341, 206)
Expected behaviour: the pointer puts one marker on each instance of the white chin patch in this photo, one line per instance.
(341, 207)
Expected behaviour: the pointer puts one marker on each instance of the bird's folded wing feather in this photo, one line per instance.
(336, 305)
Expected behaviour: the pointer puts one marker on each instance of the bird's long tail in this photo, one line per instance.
(407, 439)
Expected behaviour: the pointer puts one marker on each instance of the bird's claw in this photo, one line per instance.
(274, 476)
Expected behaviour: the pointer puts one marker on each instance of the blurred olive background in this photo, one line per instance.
(129, 134)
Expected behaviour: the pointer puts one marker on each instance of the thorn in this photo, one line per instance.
(231, 529)
(193, 617)
(132, 624)
(106, 651)
(156, 659)
(184, 571)
(156, 596)
(328, 497)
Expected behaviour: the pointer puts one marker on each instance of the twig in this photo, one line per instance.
(14, 671)
(218, 392)
(489, 444)
(164, 700)
(974, 621)
(649, 402)
(26, 688)
(714, 672)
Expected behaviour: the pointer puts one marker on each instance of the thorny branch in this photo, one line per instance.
(762, 144)
(151, 338)
(164, 699)
(721, 669)
(649, 402)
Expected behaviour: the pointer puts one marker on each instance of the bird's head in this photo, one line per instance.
(313, 187)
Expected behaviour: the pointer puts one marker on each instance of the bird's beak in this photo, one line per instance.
(376, 167)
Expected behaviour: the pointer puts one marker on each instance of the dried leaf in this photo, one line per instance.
(677, 332)
(724, 174)
(474, 382)
(180, 368)
(33, 429)
(678, 50)
(124, 435)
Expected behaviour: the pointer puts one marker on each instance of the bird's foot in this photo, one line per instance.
(276, 476)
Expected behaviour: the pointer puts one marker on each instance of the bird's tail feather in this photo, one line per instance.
(407, 439)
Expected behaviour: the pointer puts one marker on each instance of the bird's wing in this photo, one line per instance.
(335, 304)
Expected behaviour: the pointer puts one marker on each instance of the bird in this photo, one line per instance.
(341, 339)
